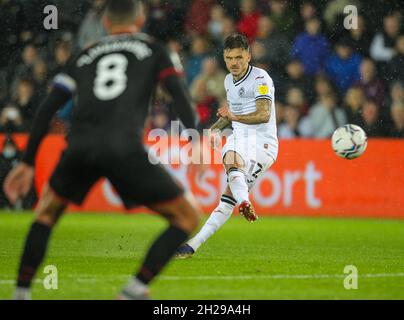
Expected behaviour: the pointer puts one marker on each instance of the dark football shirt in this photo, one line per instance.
(112, 83)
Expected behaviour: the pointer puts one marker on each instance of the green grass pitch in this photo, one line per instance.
(274, 258)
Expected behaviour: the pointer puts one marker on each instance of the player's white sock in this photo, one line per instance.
(217, 218)
(21, 293)
(238, 185)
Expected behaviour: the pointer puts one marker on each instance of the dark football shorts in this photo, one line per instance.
(136, 180)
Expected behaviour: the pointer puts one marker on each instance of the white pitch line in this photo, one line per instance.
(229, 277)
(280, 276)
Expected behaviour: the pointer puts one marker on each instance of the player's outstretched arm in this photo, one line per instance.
(261, 115)
(220, 124)
(215, 129)
(182, 101)
(19, 180)
(40, 126)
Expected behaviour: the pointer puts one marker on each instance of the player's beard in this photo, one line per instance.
(240, 74)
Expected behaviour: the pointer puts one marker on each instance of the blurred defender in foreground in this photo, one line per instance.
(113, 82)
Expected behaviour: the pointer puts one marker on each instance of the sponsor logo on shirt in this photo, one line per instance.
(263, 89)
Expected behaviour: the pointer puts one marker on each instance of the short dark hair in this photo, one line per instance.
(119, 10)
(235, 41)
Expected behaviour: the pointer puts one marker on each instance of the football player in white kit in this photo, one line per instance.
(253, 145)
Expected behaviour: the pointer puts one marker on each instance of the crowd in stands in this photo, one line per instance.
(324, 74)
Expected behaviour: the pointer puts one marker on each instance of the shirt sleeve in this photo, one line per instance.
(63, 88)
(55, 100)
(66, 79)
(171, 80)
(166, 67)
(263, 87)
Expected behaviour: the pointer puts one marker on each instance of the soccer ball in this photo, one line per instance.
(349, 141)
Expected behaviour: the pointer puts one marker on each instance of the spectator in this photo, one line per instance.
(259, 53)
(397, 115)
(159, 117)
(208, 92)
(360, 37)
(40, 73)
(307, 11)
(295, 78)
(343, 66)
(165, 19)
(229, 27)
(199, 51)
(215, 25)
(372, 86)
(293, 125)
(198, 16)
(206, 106)
(382, 46)
(62, 53)
(24, 100)
(211, 78)
(353, 103)
(10, 119)
(259, 59)
(276, 43)
(283, 17)
(396, 93)
(40, 77)
(322, 86)
(324, 117)
(311, 48)
(295, 98)
(371, 121)
(396, 65)
(91, 28)
(29, 56)
(248, 23)
(279, 106)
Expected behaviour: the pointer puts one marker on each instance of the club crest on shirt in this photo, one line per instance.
(241, 92)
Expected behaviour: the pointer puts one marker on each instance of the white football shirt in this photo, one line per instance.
(241, 98)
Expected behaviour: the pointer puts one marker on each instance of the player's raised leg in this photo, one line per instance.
(237, 187)
(235, 168)
(216, 219)
(183, 216)
(48, 212)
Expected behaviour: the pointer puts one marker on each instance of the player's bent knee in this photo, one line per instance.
(195, 218)
(233, 160)
(188, 215)
(193, 210)
(183, 213)
(50, 207)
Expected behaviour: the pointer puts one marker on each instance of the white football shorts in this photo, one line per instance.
(254, 153)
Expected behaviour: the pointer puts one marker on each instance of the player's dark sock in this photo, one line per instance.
(34, 252)
(161, 252)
